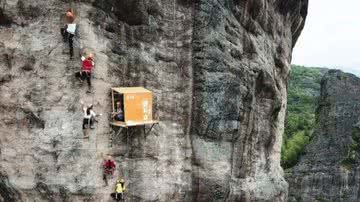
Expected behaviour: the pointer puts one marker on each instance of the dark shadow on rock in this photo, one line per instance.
(4, 19)
(7, 192)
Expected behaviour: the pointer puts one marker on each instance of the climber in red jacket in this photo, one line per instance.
(109, 166)
(85, 73)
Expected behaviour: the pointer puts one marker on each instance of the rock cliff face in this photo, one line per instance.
(330, 168)
(218, 70)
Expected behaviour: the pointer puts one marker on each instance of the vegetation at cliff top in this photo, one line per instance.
(303, 92)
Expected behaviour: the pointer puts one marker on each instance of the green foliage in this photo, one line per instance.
(355, 146)
(320, 199)
(294, 148)
(354, 149)
(303, 92)
(347, 163)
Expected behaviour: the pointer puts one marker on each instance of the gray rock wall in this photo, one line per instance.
(330, 167)
(218, 70)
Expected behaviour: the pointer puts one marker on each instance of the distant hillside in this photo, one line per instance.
(329, 169)
(303, 91)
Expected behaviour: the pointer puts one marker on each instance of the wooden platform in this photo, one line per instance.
(131, 123)
(126, 90)
(127, 127)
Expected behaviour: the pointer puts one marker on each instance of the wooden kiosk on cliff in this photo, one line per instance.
(136, 106)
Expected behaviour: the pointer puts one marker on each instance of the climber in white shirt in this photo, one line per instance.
(68, 32)
(88, 119)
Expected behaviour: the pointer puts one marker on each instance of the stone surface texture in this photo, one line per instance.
(320, 174)
(218, 70)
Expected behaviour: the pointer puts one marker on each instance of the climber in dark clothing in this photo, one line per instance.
(68, 32)
(89, 114)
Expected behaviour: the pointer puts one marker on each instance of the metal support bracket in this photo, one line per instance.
(129, 132)
(117, 133)
(146, 133)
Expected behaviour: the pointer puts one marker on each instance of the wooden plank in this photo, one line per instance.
(119, 124)
(113, 103)
(124, 90)
(124, 104)
(131, 124)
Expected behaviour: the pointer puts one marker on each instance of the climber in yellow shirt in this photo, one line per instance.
(119, 190)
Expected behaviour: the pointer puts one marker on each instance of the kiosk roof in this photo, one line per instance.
(125, 90)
